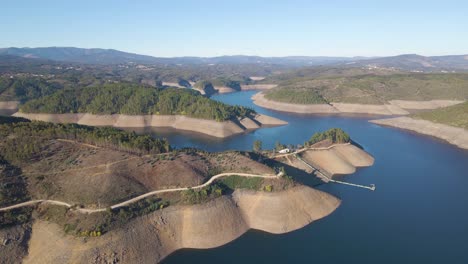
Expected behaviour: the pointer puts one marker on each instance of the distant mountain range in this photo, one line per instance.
(410, 62)
(110, 56)
(419, 63)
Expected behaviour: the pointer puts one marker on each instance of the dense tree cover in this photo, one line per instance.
(203, 84)
(234, 83)
(134, 100)
(88, 74)
(12, 184)
(15, 217)
(336, 135)
(26, 88)
(22, 141)
(11, 119)
(296, 96)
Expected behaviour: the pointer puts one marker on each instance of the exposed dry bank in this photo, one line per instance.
(339, 159)
(453, 135)
(394, 107)
(151, 238)
(205, 126)
(9, 105)
(244, 87)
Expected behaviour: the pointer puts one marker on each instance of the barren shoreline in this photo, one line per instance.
(9, 105)
(207, 225)
(204, 126)
(394, 107)
(453, 135)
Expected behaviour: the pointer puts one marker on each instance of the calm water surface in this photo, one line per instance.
(418, 214)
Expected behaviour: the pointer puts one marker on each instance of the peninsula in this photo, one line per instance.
(78, 188)
(449, 124)
(391, 94)
(129, 105)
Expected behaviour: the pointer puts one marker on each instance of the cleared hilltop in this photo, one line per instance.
(92, 168)
(129, 105)
(448, 123)
(387, 94)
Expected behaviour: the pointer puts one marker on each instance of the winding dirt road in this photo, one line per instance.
(138, 198)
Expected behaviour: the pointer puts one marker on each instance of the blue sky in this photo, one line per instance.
(268, 28)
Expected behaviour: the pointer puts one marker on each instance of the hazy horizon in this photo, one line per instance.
(247, 55)
(261, 28)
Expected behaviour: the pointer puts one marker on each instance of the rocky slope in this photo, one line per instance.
(453, 135)
(204, 126)
(151, 238)
(340, 159)
(394, 107)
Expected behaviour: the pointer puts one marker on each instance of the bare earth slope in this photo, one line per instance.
(10, 105)
(394, 107)
(341, 159)
(80, 174)
(204, 126)
(200, 226)
(453, 135)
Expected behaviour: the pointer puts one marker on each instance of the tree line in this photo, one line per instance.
(335, 135)
(21, 141)
(134, 99)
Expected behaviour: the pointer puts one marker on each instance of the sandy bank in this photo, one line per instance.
(260, 100)
(151, 238)
(204, 126)
(394, 107)
(9, 105)
(244, 87)
(224, 89)
(385, 109)
(453, 135)
(248, 87)
(424, 105)
(341, 159)
(257, 78)
(173, 84)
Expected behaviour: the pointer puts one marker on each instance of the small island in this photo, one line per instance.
(76, 187)
(130, 105)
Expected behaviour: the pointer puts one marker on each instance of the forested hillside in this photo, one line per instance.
(23, 89)
(134, 100)
(21, 140)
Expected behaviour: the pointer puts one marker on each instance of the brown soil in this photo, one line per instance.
(151, 238)
(80, 174)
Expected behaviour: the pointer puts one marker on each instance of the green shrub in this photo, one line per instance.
(335, 135)
(239, 182)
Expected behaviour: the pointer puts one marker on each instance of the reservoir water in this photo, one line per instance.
(418, 213)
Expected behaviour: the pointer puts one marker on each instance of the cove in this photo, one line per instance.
(418, 213)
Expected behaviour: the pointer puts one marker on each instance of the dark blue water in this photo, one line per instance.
(418, 213)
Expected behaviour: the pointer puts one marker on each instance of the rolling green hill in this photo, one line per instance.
(371, 89)
(455, 115)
